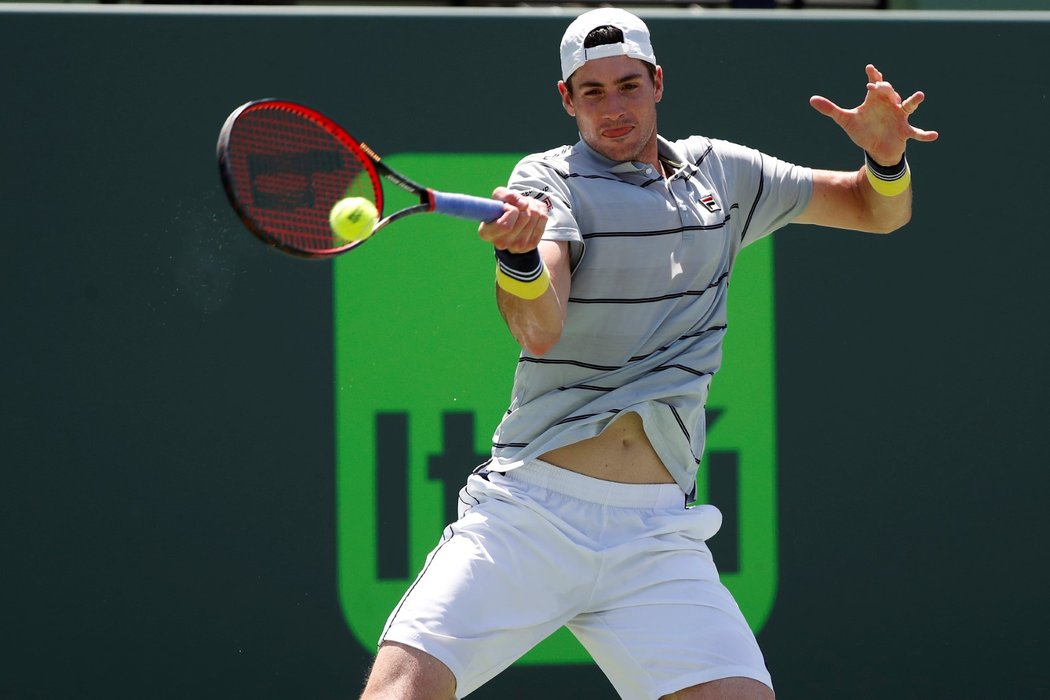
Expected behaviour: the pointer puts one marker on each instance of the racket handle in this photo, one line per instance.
(466, 206)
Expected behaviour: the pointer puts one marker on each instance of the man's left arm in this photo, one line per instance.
(877, 197)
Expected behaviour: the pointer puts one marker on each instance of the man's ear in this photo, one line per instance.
(566, 98)
(658, 82)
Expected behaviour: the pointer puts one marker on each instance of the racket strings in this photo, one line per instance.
(289, 169)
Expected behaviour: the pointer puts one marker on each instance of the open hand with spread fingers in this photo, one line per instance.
(880, 124)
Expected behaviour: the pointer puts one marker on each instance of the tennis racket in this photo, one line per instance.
(284, 166)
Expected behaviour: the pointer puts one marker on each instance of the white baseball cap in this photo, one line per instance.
(636, 42)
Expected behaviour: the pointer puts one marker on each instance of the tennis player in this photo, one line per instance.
(613, 265)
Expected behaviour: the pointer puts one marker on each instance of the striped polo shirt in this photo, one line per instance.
(651, 260)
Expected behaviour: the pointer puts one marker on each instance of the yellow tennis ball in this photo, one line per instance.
(352, 218)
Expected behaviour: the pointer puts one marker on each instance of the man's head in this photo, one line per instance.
(611, 84)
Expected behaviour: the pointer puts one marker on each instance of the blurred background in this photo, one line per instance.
(177, 481)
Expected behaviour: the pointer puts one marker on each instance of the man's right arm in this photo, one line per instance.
(537, 323)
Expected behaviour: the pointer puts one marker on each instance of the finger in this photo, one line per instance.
(501, 230)
(529, 211)
(923, 135)
(527, 207)
(510, 200)
(885, 91)
(825, 106)
(538, 225)
(874, 74)
(529, 226)
(520, 227)
(504, 194)
(532, 224)
(912, 103)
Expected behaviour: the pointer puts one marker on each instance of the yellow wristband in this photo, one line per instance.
(888, 181)
(532, 289)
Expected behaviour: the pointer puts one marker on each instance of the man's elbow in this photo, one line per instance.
(888, 223)
(536, 325)
(539, 341)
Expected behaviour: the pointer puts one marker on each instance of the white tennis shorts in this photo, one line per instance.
(623, 566)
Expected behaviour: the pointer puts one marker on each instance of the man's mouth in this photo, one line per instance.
(617, 131)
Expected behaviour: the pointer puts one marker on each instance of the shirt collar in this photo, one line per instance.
(666, 152)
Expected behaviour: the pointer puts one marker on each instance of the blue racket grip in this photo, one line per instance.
(466, 206)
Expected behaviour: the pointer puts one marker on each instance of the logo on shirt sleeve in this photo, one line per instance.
(540, 196)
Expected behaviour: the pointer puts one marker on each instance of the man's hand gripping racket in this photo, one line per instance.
(285, 167)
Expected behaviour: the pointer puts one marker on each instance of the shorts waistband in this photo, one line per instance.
(585, 488)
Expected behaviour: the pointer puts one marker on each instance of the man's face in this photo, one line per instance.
(614, 102)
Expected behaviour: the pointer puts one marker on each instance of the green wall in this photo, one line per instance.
(169, 389)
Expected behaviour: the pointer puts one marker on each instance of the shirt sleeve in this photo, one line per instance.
(770, 192)
(540, 179)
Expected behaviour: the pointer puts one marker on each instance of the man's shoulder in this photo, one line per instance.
(697, 148)
(557, 153)
(690, 143)
(562, 158)
(563, 162)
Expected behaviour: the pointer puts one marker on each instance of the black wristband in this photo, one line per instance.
(886, 172)
(521, 266)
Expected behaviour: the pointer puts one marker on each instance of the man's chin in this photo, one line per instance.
(619, 152)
